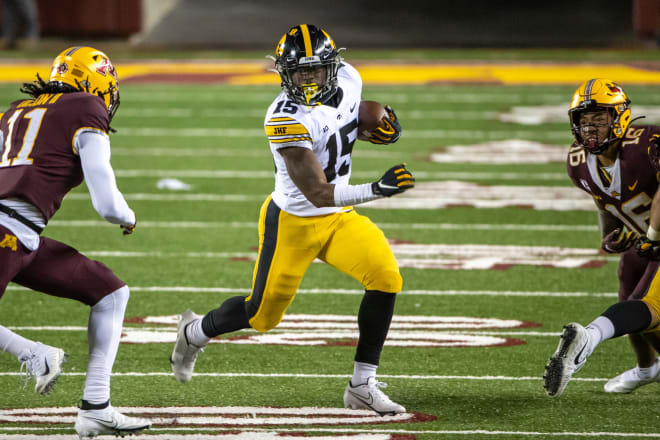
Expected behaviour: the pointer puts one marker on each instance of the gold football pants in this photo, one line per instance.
(288, 244)
(652, 298)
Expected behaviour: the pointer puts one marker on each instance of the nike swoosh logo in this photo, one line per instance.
(369, 402)
(577, 357)
(353, 107)
(109, 422)
(633, 186)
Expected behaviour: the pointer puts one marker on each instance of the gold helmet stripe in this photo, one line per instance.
(72, 50)
(332, 42)
(587, 89)
(307, 39)
(278, 49)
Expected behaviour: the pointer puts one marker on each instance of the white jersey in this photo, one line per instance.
(328, 131)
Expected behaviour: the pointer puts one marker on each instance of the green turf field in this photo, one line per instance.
(494, 282)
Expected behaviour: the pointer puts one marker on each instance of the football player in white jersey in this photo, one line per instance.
(312, 126)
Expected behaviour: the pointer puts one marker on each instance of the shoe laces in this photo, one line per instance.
(376, 387)
(196, 350)
(28, 369)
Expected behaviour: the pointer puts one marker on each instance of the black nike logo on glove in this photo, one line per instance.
(353, 107)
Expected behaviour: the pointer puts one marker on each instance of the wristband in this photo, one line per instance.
(652, 234)
(347, 195)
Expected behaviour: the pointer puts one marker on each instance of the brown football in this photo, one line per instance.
(370, 117)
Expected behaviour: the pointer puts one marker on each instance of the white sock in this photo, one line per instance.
(14, 343)
(196, 335)
(103, 332)
(362, 372)
(648, 373)
(600, 329)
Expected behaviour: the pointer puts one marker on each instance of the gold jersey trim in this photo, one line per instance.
(285, 130)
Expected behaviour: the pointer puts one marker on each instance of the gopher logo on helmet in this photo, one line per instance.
(106, 67)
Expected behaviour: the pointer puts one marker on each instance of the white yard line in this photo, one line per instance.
(333, 376)
(261, 174)
(558, 135)
(353, 434)
(155, 112)
(406, 226)
(200, 289)
(225, 152)
(367, 434)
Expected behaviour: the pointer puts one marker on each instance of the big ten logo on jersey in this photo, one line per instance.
(632, 136)
(576, 156)
(585, 184)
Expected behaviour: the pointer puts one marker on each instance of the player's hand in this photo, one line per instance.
(648, 248)
(619, 240)
(128, 229)
(654, 151)
(390, 132)
(395, 180)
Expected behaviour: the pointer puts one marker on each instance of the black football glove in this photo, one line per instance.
(654, 151)
(128, 229)
(648, 248)
(395, 180)
(390, 132)
(619, 240)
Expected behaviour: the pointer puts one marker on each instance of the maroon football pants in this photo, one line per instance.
(55, 269)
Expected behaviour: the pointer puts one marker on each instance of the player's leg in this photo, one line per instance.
(359, 248)
(635, 275)
(60, 270)
(38, 360)
(577, 343)
(287, 246)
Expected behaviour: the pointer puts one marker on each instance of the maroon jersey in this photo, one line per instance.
(628, 189)
(37, 161)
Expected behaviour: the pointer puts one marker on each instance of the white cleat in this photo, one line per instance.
(107, 421)
(369, 396)
(44, 364)
(570, 356)
(184, 354)
(629, 381)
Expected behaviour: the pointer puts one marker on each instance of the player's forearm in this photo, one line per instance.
(347, 195)
(654, 221)
(94, 153)
(607, 222)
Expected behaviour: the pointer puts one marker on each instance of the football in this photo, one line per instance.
(370, 117)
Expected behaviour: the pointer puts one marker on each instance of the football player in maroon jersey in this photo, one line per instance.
(610, 161)
(48, 145)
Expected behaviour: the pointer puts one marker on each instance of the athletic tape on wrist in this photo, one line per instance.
(652, 234)
(347, 195)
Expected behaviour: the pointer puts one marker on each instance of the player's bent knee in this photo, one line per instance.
(263, 324)
(654, 308)
(389, 281)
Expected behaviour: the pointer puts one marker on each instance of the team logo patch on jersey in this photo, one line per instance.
(9, 242)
